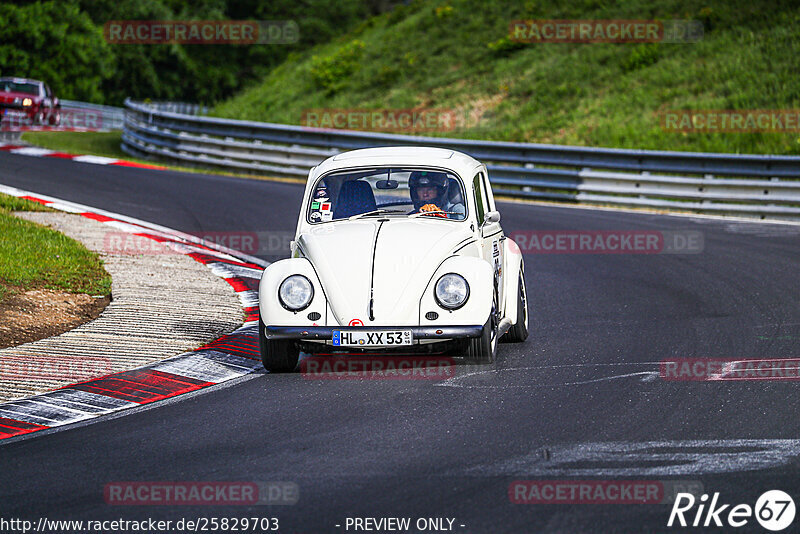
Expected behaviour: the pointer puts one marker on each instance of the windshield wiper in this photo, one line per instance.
(374, 212)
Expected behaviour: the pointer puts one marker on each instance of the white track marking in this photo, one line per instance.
(677, 457)
(98, 160)
(456, 381)
(226, 270)
(31, 151)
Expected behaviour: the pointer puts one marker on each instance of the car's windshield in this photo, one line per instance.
(396, 192)
(8, 86)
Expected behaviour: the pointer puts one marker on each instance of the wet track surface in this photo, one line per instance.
(580, 399)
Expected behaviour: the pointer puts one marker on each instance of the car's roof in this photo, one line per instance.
(401, 156)
(18, 80)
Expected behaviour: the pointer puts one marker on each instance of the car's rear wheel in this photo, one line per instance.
(55, 118)
(278, 356)
(480, 350)
(519, 331)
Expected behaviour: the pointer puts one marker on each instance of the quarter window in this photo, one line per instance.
(480, 198)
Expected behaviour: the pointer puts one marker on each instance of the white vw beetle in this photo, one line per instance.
(396, 249)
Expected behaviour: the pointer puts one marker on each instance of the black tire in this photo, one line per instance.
(480, 350)
(38, 119)
(278, 356)
(55, 118)
(519, 331)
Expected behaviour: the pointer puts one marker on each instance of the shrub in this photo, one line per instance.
(642, 56)
(331, 72)
(504, 46)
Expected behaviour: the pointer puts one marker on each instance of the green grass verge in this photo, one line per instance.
(94, 143)
(455, 54)
(107, 144)
(9, 203)
(33, 256)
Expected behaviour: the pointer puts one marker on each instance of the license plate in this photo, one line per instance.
(371, 338)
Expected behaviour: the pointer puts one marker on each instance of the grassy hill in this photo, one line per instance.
(455, 54)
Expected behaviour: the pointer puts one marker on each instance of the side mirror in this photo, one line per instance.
(492, 217)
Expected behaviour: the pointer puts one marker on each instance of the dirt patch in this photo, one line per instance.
(30, 315)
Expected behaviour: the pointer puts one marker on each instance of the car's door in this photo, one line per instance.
(490, 233)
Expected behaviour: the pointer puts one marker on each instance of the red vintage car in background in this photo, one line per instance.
(24, 101)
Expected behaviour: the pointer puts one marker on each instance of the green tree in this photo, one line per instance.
(55, 42)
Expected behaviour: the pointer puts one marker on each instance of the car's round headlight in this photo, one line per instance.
(452, 291)
(296, 292)
(27, 102)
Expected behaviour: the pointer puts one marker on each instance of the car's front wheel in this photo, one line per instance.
(278, 356)
(519, 331)
(480, 350)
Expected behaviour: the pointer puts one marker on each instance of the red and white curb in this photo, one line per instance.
(231, 356)
(25, 150)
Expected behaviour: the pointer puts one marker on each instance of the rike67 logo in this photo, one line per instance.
(774, 510)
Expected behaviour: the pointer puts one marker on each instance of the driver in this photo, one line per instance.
(429, 193)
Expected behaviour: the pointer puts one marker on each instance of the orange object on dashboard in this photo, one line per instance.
(432, 208)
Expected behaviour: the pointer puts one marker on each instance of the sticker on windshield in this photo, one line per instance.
(320, 211)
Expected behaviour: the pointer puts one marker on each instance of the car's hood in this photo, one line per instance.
(392, 261)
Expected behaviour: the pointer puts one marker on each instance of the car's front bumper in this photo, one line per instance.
(325, 333)
(15, 113)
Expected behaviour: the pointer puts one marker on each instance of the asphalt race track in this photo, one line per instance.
(580, 399)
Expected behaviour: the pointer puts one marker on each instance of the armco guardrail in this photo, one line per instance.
(733, 184)
(9, 136)
(183, 108)
(76, 114)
